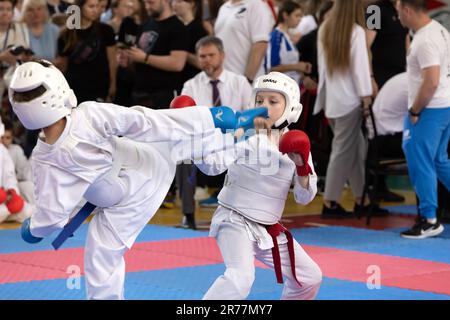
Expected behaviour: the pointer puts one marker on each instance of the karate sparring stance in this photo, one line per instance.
(83, 157)
(246, 223)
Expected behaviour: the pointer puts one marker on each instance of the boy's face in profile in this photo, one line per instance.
(274, 102)
(7, 138)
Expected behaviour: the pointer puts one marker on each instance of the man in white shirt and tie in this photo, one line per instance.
(215, 86)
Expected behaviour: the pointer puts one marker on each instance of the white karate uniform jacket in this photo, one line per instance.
(64, 171)
(257, 184)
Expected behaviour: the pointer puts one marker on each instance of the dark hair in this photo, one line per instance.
(420, 5)
(8, 124)
(324, 8)
(287, 7)
(214, 6)
(198, 14)
(209, 40)
(70, 36)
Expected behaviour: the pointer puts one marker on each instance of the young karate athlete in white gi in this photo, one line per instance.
(83, 157)
(246, 223)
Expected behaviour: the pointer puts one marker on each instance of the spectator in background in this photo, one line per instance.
(316, 126)
(159, 57)
(126, 36)
(190, 13)
(282, 55)
(389, 109)
(42, 33)
(120, 10)
(307, 46)
(21, 164)
(216, 86)
(309, 22)
(12, 34)
(244, 27)
(388, 45)
(140, 14)
(57, 6)
(87, 56)
(344, 72)
(426, 131)
(233, 90)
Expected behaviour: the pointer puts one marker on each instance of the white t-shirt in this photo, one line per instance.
(240, 25)
(281, 51)
(430, 47)
(343, 91)
(234, 90)
(306, 25)
(391, 105)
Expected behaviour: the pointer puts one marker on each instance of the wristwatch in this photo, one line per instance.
(413, 113)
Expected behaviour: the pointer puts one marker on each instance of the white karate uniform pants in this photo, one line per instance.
(238, 252)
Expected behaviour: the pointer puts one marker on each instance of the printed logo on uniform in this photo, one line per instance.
(219, 115)
(240, 13)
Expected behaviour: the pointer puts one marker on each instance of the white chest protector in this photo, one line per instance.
(258, 197)
(110, 189)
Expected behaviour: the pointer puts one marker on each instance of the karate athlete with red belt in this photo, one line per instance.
(260, 172)
(91, 152)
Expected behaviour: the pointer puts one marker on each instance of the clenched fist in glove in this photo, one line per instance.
(296, 144)
(182, 102)
(15, 202)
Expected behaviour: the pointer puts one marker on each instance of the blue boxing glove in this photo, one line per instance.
(26, 233)
(245, 118)
(225, 118)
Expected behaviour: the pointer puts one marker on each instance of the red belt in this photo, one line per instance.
(275, 230)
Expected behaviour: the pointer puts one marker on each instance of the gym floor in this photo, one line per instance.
(358, 262)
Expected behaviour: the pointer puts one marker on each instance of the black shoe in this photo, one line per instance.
(335, 212)
(377, 211)
(188, 222)
(389, 196)
(423, 229)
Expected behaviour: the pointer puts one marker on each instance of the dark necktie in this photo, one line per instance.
(215, 93)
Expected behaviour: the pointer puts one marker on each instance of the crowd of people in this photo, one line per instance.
(146, 52)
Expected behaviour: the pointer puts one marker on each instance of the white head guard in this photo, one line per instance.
(288, 87)
(54, 104)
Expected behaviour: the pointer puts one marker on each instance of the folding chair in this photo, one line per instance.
(378, 166)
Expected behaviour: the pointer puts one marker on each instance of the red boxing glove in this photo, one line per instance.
(3, 195)
(15, 203)
(297, 141)
(182, 102)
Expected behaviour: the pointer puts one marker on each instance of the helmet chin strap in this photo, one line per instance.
(281, 126)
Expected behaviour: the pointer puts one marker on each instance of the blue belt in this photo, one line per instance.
(73, 225)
